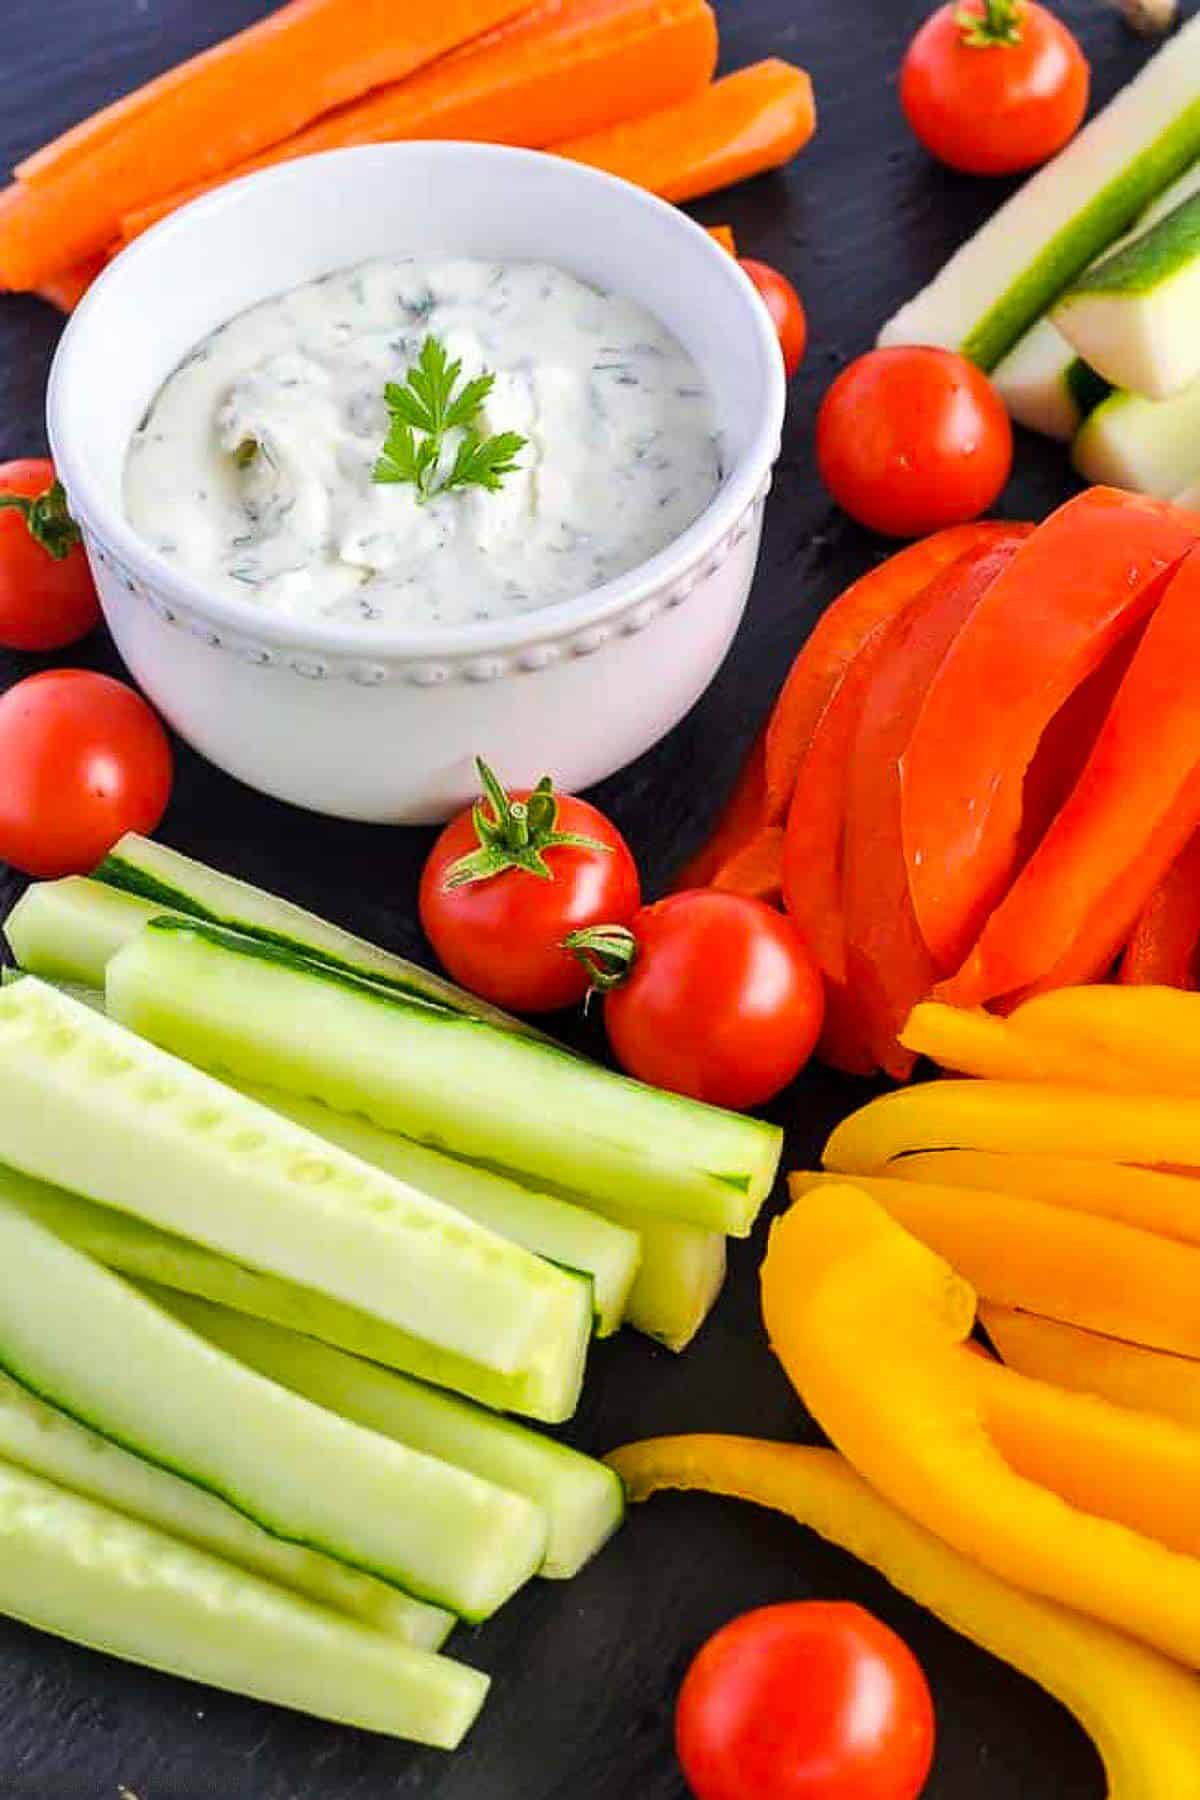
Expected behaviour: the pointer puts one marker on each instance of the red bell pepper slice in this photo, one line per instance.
(1164, 948)
(836, 640)
(1085, 577)
(756, 870)
(763, 791)
(741, 819)
(1129, 816)
(888, 965)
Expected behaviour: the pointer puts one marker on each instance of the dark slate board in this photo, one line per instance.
(585, 1674)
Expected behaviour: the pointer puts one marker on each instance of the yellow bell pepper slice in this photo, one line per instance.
(969, 1042)
(1089, 1364)
(1130, 1038)
(1134, 1467)
(868, 1324)
(1046, 1259)
(1152, 1032)
(1020, 1116)
(1142, 1711)
(1149, 1199)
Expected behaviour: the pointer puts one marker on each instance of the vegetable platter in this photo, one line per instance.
(585, 1674)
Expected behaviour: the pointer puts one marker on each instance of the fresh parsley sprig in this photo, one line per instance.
(430, 403)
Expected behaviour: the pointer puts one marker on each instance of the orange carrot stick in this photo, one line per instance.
(723, 235)
(563, 67)
(749, 122)
(67, 289)
(222, 107)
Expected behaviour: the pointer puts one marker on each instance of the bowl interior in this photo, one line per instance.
(278, 229)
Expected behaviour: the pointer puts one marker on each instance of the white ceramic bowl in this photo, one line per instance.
(385, 725)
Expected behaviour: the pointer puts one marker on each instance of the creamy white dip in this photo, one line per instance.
(622, 452)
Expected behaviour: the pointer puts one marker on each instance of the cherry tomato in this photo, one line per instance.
(507, 883)
(786, 310)
(913, 439)
(806, 1701)
(84, 760)
(994, 86)
(711, 995)
(47, 596)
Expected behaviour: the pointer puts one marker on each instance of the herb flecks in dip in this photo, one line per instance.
(254, 467)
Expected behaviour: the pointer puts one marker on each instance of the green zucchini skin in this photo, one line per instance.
(582, 1499)
(523, 1108)
(46, 1442)
(295, 1469)
(100, 1111)
(84, 1572)
(169, 881)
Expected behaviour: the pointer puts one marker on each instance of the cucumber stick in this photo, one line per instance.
(39, 1438)
(87, 1573)
(68, 930)
(137, 1376)
(563, 1233)
(1149, 446)
(177, 883)
(89, 1107)
(1062, 218)
(1133, 316)
(679, 1280)
(549, 1393)
(583, 1501)
(489, 1097)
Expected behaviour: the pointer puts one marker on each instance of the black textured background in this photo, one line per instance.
(585, 1674)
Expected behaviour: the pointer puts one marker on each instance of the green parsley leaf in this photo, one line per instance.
(427, 405)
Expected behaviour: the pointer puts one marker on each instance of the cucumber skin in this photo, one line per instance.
(305, 1210)
(166, 985)
(49, 1444)
(126, 1329)
(583, 1500)
(86, 1573)
(124, 870)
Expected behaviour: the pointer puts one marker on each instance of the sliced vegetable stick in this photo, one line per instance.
(1146, 1198)
(968, 1041)
(1142, 1710)
(742, 817)
(563, 67)
(1047, 1259)
(1136, 803)
(1147, 1129)
(756, 870)
(887, 959)
(1039, 633)
(763, 791)
(66, 289)
(48, 1443)
(836, 640)
(220, 108)
(88, 1574)
(749, 122)
(1163, 947)
(1152, 1034)
(869, 1326)
(1086, 1363)
(723, 235)
(1112, 1461)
